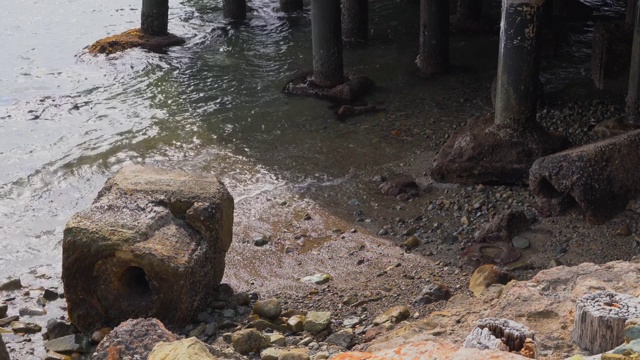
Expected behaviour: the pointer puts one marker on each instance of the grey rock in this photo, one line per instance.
(343, 338)
(351, 322)
(32, 311)
(316, 321)
(210, 329)
(520, 242)
(50, 295)
(433, 292)
(268, 309)
(58, 328)
(69, 344)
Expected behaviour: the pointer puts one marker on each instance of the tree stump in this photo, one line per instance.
(600, 320)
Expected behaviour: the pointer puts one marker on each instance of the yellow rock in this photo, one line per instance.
(187, 349)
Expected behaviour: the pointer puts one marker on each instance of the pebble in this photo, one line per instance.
(295, 354)
(296, 323)
(57, 328)
(393, 315)
(268, 309)
(433, 292)
(316, 321)
(210, 329)
(33, 311)
(271, 353)
(278, 340)
(68, 344)
(411, 242)
(354, 202)
(198, 330)
(306, 341)
(383, 232)
(520, 242)
(351, 322)
(249, 340)
(50, 295)
(262, 241)
(25, 327)
(343, 338)
(317, 279)
(228, 313)
(100, 334)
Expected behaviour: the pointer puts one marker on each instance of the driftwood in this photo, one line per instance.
(600, 320)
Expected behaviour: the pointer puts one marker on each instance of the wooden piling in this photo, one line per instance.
(234, 9)
(518, 64)
(288, 6)
(434, 37)
(326, 33)
(355, 20)
(154, 20)
(633, 94)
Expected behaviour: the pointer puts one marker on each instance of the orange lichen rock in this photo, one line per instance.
(132, 39)
(529, 349)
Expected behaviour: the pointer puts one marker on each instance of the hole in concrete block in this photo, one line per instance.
(133, 283)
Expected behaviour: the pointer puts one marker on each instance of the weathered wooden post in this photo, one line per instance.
(291, 5)
(355, 20)
(434, 37)
(326, 36)
(633, 94)
(600, 320)
(631, 11)
(154, 20)
(234, 9)
(501, 147)
(518, 64)
(468, 10)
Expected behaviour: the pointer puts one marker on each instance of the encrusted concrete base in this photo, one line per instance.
(132, 39)
(480, 153)
(601, 178)
(353, 88)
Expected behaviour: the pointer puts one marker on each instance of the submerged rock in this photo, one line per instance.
(152, 244)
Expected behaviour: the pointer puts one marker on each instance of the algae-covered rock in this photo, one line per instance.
(152, 244)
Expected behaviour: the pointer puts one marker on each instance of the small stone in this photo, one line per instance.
(69, 344)
(354, 202)
(3, 310)
(306, 341)
(206, 317)
(486, 275)
(50, 295)
(322, 355)
(8, 320)
(58, 328)
(450, 240)
(306, 217)
(262, 241)
(52, 355)
(249, 340)
(520, 242)
(625, 230)
(555, 262)
(11, 285)
(295, 354)
(433, 292)
(343, 338)
(383, 232)
(278, 340)
(198, 330)
(262, 325)
(411, 242)
(210, 329)
(351, 322)
(228, 313)
(268, 309)
(33, 311)
(393, 315)
(25, 327)
(296, 323)
(42, 302)
(270, 353)
(316, 321)
(227, 337)
(317, 279)
(100, 334)
(464, 221)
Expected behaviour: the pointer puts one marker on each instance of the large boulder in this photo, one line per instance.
(152, 244)
(600, 178)
(133, 339)
(4, 354)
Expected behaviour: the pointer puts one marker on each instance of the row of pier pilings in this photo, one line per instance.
(507, 142)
